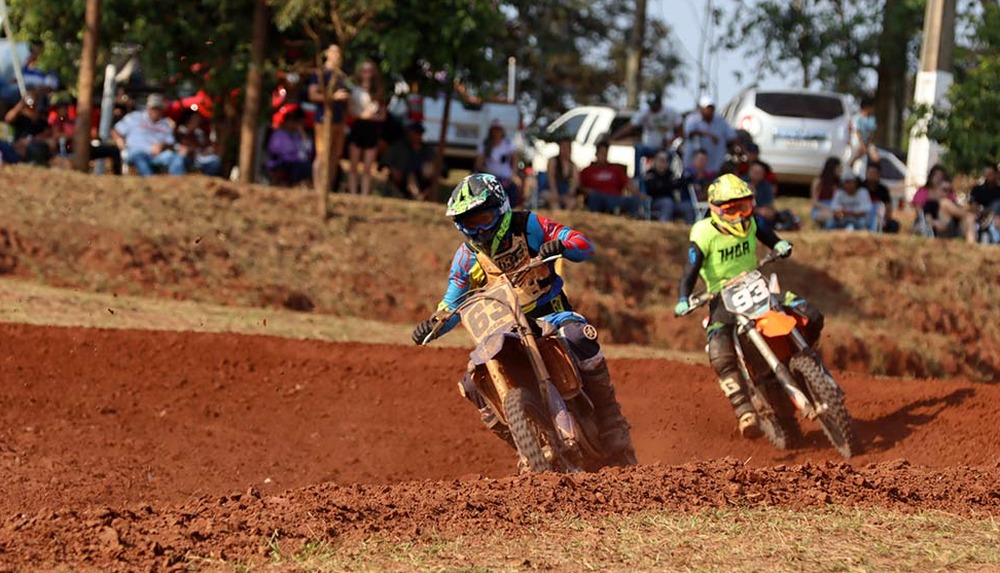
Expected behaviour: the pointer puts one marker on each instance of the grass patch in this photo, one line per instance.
(837, 540)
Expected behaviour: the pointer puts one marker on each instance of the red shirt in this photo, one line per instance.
(609, 178)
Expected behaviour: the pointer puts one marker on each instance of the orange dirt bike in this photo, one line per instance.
(783, 373)
(529, 378)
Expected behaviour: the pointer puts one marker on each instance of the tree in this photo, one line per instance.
(901, 22)
(85, 104)
(251, 103)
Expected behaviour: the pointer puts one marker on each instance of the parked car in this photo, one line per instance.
(585, 125)
(795, 129)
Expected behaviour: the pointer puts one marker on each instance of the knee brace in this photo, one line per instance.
(581, 338)
(722, 353)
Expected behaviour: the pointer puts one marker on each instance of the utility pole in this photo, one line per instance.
(633, 58)
(933, 81)
(85, 86)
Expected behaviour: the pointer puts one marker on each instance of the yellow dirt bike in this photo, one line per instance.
(529, 378)
(783, 373)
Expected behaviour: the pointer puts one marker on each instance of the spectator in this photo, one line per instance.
(289, 150)
(33, 138)
(367, 105)
(986, 195)
(562, 178)
(851, 206)
(606, 185)
(497, 155)
(659, 125)
(147, 137)
(411, 164)
(944, 216)
(863, 131)
(669, 197)
(822, 189)
(882, 214)
(62, 120)
(196, 145)
(698, 176)
(751, 156)
(936, 178)
(337, 96)
(710, 132)
(763, 194)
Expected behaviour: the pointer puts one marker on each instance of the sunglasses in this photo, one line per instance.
(737, 209)
(476, 223)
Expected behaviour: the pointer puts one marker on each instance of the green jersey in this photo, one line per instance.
(725, 255)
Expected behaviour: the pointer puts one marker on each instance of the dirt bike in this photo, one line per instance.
(783, 373)
(529, 378)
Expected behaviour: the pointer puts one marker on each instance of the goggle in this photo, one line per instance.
(735, 210)
(476, 223)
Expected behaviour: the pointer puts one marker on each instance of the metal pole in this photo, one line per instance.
(108, 102)
(14, 60)
(511, 79)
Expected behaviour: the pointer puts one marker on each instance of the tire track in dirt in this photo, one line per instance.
(103, 417)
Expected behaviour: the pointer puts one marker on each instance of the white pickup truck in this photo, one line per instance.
(585, 125)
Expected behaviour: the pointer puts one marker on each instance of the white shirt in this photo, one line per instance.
(362, 104)
(656, 126)
(716, 150)
(498, 161)
(860, 202)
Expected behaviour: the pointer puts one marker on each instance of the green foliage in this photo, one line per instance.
(969, 127)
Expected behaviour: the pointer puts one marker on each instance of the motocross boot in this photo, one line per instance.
(611, 422)
(722, 355)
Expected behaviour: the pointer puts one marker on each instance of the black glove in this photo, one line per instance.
(422, 330)
(551, 249)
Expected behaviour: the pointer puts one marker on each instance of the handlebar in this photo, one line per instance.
(441, 319)
(700, 299)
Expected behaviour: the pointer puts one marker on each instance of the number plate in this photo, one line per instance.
(747, 295)
(486, 316)
(466, 132)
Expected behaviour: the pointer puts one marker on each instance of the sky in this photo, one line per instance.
(685, 18)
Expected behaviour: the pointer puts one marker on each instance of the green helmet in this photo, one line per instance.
(479, 207)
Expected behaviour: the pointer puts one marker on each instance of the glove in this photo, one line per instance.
(551, 249)
(422, 330)
(783, 248)
(682, 307)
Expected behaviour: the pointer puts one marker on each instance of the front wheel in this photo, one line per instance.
(776, 416)
(532, 430)
(837, 424)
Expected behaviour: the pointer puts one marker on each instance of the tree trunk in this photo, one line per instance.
(443, 139)
(85, 87)
(891, 94)
(633, 59)
(323, 175)
(251, 104)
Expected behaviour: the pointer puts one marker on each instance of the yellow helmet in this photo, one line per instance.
(731, 205)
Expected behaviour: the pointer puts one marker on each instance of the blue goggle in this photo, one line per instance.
(476, 223)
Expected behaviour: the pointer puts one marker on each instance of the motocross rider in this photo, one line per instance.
(499, 238)
(722, 247)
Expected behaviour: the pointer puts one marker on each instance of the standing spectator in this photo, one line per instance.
(289, 150)
(606, 185)
(698, 175)
(411, 164)
(196, 144)
(882, 214)
(33, 138)
(367, 105)
(987, 194)
(669, 197)
(863, 128)
(851, 206)
(337, 94)
(497, 155)
(147, 137)
(763, 194)
(659, 125)
(822, 189)
(710, 132)
(562, 178)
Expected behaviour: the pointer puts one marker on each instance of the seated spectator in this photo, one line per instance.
(196, 144)
(752, 155)
(290, 151)
(763, 194)
(986, 195)
(606, 185)
(943, 215)
(822, 189)
(561, 179)
(882, 215)
(851, 206)
(33, 138)
(62, 120)
(937, 177)
(411, 164)
(698, 175)
(147, 137)
(670, 197)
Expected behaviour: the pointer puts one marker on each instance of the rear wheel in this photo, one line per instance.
(836, 422)
(532, 430)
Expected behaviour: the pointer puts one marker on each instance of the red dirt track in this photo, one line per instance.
(122, 450)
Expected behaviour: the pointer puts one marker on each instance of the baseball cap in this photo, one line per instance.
(155, 101)
(849, 175)
(706, 101)
(416, 126)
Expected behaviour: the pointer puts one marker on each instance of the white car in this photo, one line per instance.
(797, 130)
(585, 125)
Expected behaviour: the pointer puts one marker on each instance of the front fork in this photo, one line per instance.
(550, 394)
(799, 399)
